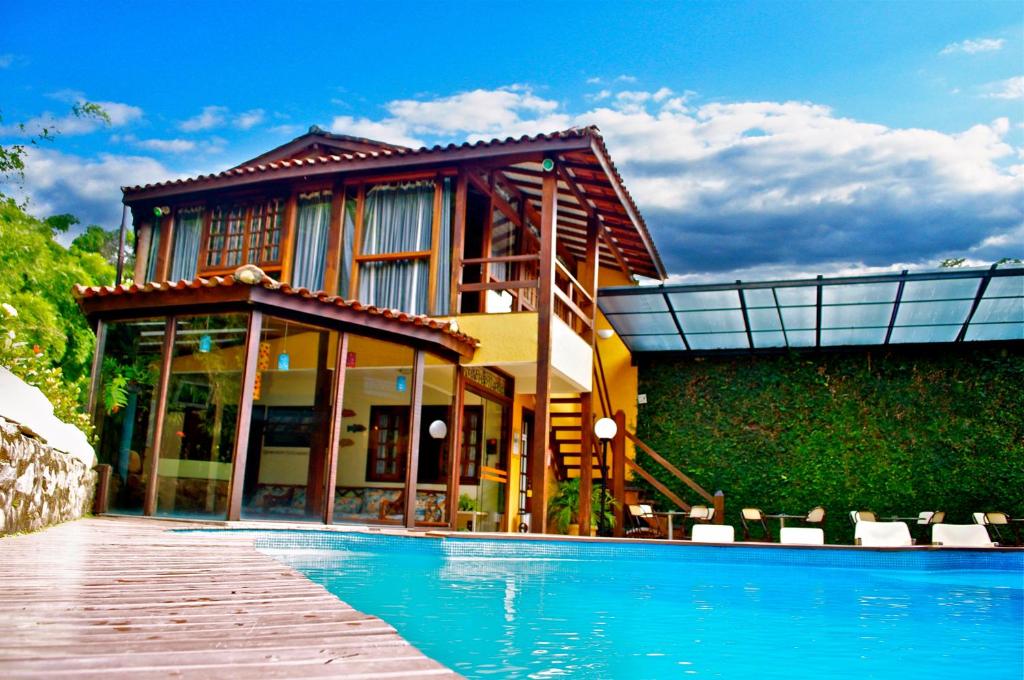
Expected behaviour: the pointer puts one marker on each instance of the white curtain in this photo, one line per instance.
(312, 224)
(397, 219)
(188, 227)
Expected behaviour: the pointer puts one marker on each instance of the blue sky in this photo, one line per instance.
(758, 138)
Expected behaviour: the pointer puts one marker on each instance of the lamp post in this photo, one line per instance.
(605, 430)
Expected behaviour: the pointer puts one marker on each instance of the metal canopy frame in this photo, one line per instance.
(946, 306)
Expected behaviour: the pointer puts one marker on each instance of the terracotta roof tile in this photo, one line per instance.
(446, 327)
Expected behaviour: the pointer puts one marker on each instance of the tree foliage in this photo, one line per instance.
(36, 279)
(894, 432)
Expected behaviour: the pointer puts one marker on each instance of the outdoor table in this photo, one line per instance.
(670, 514)
(782, 517)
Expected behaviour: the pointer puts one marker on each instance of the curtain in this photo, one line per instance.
(188, 227)
(444, 252)
(397, 219)
(154, 250)
(312, 225)
(348, 235)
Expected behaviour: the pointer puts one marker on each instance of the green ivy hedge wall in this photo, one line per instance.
(896, 432)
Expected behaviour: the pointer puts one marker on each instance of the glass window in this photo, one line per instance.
(289, 432)
(127, 407)
(312, 226)
(201, 416)
(373, 449)
(397, 220)
(244, 233)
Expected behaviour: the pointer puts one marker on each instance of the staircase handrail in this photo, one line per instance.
(658, 458)
(632, 464)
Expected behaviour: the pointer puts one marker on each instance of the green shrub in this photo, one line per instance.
(894, 431)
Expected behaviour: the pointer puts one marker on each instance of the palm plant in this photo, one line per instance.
(564, 508)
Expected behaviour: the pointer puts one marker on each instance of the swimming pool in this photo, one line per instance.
(547, 609)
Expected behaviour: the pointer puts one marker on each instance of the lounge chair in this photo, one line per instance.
(882, 534)
(815, 515)
(755, 516)
(961, 536)
(713, 533)
(997, 523)
(801, 536)
(642, 522)
(926, 519)
(862, 516)
(698, 513)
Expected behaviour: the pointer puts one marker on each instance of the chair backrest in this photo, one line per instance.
(978, 517)
(636, 510)
(961, 536)
(925, 517)
(752, 514)
(882, 534)
(713, 533)
(938, 517)
(646, 510)
(816, 515)
(701, 512)
(997, 518)
(801, 536)
(862, 516)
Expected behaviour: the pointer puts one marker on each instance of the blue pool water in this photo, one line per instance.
(520, 609)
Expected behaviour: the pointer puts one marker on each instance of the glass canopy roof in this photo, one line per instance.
(947, 305)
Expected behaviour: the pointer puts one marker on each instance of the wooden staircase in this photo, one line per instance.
(567, 440)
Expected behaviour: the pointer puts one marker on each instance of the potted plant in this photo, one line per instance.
(564, 508)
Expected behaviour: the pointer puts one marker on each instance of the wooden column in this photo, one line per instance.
(458, 241)
(619, 472)
(586, 458)
(357, 243)
(540, 444)
(719, 507)
(337, 407)
(149, 506)
(143, 233)
(163, 256)
(335, 240)
(286, 247)
(455, 448)
(412, 465)
(435, 240)
(251, 360)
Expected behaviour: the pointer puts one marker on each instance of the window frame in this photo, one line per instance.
(251, 228)
(399, 449)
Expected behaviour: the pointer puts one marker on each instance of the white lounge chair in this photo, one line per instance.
(713, 533)
(801, 536)
(961, 536)
(882, 534)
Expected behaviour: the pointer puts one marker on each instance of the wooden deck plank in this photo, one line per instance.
(122, 597)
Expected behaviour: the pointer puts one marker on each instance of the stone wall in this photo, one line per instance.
(39, 486)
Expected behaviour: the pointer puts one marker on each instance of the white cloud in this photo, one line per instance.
(766, 185)
(1011, 88)
(167, 145)
(6, 60)
(249, 119)
(594, 81)
(89, 188)
(974, 46)
(209, 118)
(120, 114)
(626, 78)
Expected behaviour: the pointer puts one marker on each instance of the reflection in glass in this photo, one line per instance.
(201, 416)
(126, 406)
(374, 444)
(289, 433)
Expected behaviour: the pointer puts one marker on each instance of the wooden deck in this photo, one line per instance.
(125, 598)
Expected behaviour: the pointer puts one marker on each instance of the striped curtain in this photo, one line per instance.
(348, 236)
(154, 250)
(188, 227)
(397, 219)
(312, 225)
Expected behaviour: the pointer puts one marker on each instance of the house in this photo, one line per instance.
(342, 329)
